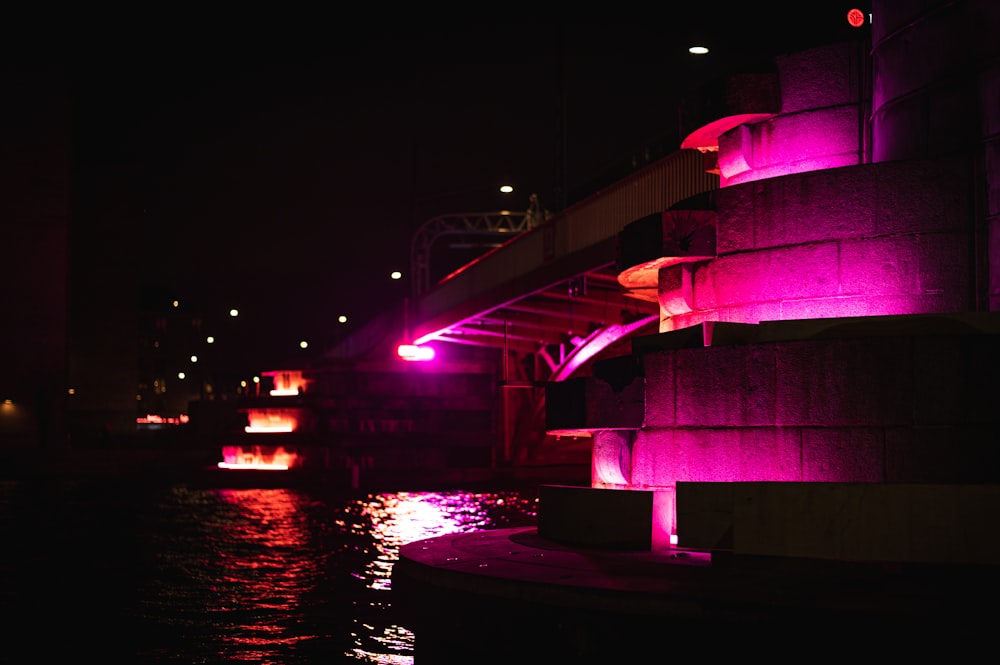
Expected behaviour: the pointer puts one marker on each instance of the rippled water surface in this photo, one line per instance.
(163, 573)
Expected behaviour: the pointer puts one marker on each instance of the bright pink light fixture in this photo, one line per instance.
(414, 352)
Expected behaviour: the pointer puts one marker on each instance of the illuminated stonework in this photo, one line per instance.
(841, 324)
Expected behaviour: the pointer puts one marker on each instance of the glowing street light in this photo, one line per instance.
(414, 352)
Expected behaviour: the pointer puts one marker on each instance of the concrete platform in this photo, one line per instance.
(509, 594)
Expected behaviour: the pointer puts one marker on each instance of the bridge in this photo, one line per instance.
(547, 297)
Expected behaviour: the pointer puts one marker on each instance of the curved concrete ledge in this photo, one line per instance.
(507, 593)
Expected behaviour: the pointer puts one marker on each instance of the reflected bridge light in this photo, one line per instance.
(414, 352)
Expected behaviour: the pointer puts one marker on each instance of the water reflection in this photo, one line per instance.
(259, 564)
(396, 519)
(278, 575)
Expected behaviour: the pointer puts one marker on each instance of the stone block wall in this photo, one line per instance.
(820, 125)
(870, 408)
(870, 240)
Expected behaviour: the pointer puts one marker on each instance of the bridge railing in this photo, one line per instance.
(590, 223)
(584, 225)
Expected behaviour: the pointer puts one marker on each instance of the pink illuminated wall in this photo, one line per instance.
(835, 330)
(818, 127)
(830, 244)
(804, 227)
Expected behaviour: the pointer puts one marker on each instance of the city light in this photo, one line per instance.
(270, 421)
(262, 458)
(287, 383)
(396, 274)
(156, 419)
(414, 352)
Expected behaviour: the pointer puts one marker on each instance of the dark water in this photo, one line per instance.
(136, 571)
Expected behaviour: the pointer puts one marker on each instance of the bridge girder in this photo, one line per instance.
(554, 322)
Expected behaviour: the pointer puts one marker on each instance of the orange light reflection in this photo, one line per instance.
(272, 566)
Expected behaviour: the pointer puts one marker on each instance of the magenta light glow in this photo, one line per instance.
(415, 352)
(596, 342)
(787, 144)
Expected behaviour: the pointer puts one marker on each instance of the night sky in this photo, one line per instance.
(284, 169)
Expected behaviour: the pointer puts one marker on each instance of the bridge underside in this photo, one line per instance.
(550, 334)
(558, 328)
